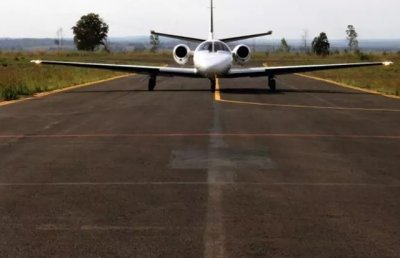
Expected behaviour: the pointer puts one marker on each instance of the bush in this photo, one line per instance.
(23, 89)
(9, 93)
(3, 62)
(363, 56)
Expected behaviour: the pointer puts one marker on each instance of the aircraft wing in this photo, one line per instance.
(278, 70)
(152, 70)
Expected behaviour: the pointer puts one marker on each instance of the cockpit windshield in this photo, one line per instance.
(218, 46)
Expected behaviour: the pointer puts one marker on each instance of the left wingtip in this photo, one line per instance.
(36, 62)
(387, 63)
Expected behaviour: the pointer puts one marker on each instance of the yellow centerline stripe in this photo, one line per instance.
(45, 94)
(217, 97)
(217, 94)
(306, 106)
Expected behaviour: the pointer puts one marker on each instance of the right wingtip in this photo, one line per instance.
(38, 62)
(387, 63)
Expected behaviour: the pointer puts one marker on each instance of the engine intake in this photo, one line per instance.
(242, 54)
(182, 54)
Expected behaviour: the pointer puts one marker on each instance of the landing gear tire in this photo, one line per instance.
(272, 84)
(213, 84)
(152, 83)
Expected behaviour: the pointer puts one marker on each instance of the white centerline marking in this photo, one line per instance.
(214, 238)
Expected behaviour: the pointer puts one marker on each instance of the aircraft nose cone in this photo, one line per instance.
(214, 64)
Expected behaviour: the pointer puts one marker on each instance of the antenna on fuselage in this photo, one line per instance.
(211, 37)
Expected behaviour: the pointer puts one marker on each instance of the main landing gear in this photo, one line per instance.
(213, 84)
(152, 82)
(272, 83)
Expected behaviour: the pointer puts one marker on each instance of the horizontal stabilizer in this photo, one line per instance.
(176, 36)
(246, 37)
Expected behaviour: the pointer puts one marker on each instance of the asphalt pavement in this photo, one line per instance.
(112, 170)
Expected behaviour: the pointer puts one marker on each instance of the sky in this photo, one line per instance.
(373, 19)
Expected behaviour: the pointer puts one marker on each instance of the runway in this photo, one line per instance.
(112, 170)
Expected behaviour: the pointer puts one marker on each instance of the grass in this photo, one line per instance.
(382, 79)
(18, 77)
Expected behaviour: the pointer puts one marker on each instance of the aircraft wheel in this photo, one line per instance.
(152, 83)
(272, 84)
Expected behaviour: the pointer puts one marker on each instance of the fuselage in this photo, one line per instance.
(213, 58)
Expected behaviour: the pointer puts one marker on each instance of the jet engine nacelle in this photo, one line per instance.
(242, 54)
(182, 54)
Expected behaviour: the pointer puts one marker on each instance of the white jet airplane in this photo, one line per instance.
(212, 59)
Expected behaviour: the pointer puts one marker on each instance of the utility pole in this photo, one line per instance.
(304, 38)
(60, 39)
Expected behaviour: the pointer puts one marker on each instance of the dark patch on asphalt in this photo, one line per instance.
(224, 159)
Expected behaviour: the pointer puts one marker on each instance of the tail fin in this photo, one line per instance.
(211, 37)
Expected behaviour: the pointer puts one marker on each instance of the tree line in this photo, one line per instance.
(91, 32)
(321, 46)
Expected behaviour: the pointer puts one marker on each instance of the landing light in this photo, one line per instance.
(36, 61)
(387, 63)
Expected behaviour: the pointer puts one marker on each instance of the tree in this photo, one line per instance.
(90, 32)
(284, 46)
(154, 42)
(321, 45)
(352, 38)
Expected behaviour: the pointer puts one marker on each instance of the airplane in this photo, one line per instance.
(213, 59)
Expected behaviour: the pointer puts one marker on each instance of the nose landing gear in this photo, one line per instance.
(213, 85)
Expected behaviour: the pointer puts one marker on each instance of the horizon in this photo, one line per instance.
(142, 43)
(163, 38)
(287, 19)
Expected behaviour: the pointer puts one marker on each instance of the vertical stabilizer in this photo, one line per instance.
(211, 37)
